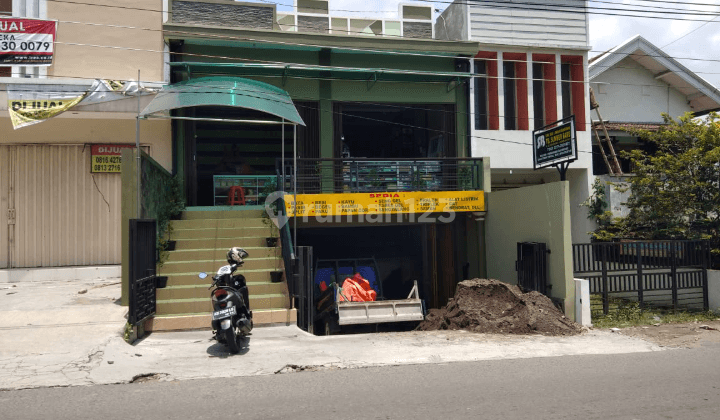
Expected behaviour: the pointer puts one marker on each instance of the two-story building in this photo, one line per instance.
(530, 70)
(54, 210)
(381, 144)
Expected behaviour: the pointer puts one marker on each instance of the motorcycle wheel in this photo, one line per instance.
(231, 341)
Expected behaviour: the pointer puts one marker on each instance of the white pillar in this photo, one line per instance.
(501, 92)
(531, 110)
(582, 302)
(558, 86)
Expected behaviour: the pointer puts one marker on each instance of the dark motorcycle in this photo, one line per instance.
(231, 317)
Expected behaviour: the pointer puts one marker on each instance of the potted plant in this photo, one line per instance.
(161, 282)
(171, 206)
(272, 239)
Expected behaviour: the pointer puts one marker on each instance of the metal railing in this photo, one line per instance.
(531, 266)
(672, 273)
(315, 176)
(142, 263)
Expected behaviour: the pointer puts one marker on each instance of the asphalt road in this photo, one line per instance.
(673, 384)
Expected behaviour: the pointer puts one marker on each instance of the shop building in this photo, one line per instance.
(383, 122)
(54, 210)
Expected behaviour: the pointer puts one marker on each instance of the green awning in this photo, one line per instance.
(224, 91)
(324, 72)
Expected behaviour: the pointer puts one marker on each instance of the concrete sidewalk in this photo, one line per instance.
(70, 333)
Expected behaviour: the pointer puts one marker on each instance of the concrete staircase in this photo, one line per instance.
(203, 238)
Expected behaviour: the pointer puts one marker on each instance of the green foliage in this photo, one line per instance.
(608, 228)
(170, 204)
(624, 313)
(675, 192)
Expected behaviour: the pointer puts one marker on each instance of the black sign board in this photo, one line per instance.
(555, 144)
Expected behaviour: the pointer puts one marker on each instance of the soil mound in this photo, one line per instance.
(491, 306)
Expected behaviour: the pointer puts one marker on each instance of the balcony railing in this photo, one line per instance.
(316, 176)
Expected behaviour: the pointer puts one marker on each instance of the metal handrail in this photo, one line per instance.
(354, 175)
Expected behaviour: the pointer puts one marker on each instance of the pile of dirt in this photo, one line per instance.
(491, 306)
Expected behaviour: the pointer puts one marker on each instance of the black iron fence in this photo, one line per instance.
(300, 287)
(531, 266)
(316, 176)
(660, 273)
(142, 263)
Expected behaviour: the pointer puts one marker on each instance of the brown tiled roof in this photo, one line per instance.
(618, 126)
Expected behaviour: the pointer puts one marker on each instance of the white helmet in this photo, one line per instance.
(236, 255)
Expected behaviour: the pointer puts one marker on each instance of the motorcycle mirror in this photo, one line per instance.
(202, 275)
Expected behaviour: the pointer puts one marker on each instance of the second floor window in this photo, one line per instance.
(510, 95)
(566, 86)
(538, 95)
(481, 95)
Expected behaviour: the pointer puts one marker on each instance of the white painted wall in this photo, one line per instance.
(513, 149)
(540, 25)
(539, 213)
(629, 92)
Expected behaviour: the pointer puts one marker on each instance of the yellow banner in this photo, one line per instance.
(24, 112)
(310, 205)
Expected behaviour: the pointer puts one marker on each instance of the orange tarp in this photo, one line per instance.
(357, 289)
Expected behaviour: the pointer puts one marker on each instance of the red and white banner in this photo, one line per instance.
(27, 42)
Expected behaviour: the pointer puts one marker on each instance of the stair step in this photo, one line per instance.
(193, 321)
(191, 278)
(202, 305)
(226, 243)
(219, 254)
(199, 291)
(223, 223)
(224, 233)
(211, 266)
(222, 214)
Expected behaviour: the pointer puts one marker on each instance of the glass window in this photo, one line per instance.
(566, 90)
(538, 95)
(510, 89)
(481, 95)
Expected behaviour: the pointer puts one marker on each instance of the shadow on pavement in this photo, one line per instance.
(221, 350)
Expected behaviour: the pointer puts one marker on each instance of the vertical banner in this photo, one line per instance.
(27, 42)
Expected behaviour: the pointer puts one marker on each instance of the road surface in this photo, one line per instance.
(673, 384)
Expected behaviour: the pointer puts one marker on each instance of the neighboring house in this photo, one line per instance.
(634, 84)
(53, 211)
(531, 70)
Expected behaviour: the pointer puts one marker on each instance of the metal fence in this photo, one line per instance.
(658, 273)
(142, 263)
(316, 176)
(300, 287)
(531, 266)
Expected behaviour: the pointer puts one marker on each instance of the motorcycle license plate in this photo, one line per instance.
(224, 313)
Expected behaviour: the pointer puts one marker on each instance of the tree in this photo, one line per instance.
(675, 193)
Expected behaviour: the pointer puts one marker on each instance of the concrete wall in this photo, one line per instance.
(532, 214)
(714, 290)
(453, 22)
(155, 135)
(629, 92)
(507, 23)
(86, 50)
(224, 13)
(616, 199)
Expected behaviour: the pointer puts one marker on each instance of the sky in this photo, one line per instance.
(691, 42)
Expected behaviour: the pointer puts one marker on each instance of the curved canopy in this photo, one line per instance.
(224, 91)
